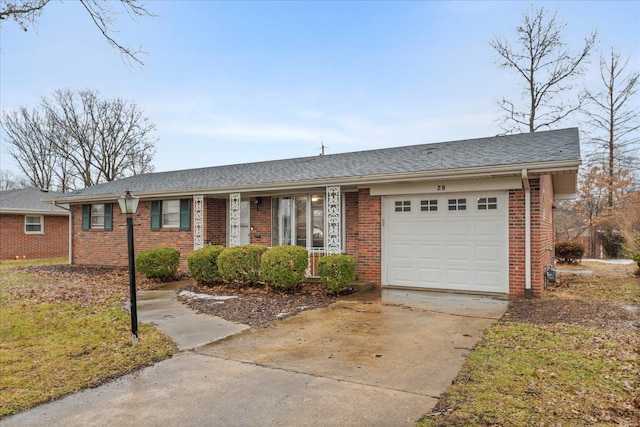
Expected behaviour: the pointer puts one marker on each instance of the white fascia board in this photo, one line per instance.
(447, 186)
(9, 211)
(361, 181)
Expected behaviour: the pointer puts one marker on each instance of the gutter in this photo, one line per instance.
(435, 175)
(527, 234)
(70, 227)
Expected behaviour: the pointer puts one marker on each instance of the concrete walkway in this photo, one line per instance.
(160, 306)
(354, 363)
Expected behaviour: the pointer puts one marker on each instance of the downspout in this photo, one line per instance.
(70, 227)
(527, 234)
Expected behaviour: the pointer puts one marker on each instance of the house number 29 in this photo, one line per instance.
(441, 187)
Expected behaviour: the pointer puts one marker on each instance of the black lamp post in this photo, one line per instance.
(129, 206)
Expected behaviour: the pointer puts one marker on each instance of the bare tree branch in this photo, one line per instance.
(76, 140)
(101, 13)
(548, 69)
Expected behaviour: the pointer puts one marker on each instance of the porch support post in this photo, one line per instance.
(198, 221)
(334, 233)
(234, 219)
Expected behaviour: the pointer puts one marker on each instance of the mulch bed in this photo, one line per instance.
(257, 305)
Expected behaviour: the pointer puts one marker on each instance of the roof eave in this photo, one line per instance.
(563, 166)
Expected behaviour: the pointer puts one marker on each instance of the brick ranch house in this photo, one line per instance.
(470, 216)
(30, 228)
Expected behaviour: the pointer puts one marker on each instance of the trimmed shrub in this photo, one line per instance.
(633, 252)
(336, 271)
(569, 252)
(158, 263)
(284, 266)
(203, 263)
(241, 263)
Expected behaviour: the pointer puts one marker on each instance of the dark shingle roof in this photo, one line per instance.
(530, 148)
(29, 200)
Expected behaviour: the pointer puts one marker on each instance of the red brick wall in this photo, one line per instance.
(14, 242)
(110, 247)
(215, 218)
(351, 224)
(369, 237)
(260, 220)
(543, 232)
(541, 235)
(516, 243)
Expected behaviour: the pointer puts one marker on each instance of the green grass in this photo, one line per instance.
(49, 349)
(559, 374)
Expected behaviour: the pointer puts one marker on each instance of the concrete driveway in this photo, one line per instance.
(381, 362)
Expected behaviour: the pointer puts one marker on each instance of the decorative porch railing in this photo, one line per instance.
(314, 256)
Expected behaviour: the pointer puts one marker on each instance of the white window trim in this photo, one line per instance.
(92, 215)
(41, 224)
(162, 214)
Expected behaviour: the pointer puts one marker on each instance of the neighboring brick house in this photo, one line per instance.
(30, 228)
(470, 216)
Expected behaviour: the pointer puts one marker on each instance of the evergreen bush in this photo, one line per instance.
(284, 266)
(203, 263)
(158, 263)
(241, 263)
(336, 272)
(569, 252)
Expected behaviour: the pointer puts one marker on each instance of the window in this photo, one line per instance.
(171, 214)
(457, 204)
(97, 216)
(403, 206)
(33, 225)
(428, 205)
(298, 220)
(485, 203)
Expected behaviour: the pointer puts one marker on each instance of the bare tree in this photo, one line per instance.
(613, 117)
(26, 12)
(28, 133)
(541, 58)
(79, 140)
(9, 181)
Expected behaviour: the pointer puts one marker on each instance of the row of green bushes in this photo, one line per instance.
(281, 266)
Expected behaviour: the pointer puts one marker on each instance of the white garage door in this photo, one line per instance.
(446, 241)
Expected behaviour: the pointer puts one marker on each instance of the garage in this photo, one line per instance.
(454, 241)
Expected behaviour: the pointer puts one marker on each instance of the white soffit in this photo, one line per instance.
(447, 186)
(565, 185)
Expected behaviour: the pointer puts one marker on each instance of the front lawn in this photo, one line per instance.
(61, 333)
(568, 358)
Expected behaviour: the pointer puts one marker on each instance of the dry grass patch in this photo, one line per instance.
(57, 336)
(568, 358)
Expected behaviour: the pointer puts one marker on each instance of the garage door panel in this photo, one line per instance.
(403, 275)
(458, 278)
(455, 228)
(402, 227)
(403, 253)
(486, 253)
(443, 249)
(429, 277)
(428, 228)
(458, 253)
(488, 228)
(486, 279)
(429, 253)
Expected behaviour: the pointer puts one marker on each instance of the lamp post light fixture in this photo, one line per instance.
(129, 206)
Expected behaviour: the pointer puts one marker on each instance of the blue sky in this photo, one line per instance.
(234, 82)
